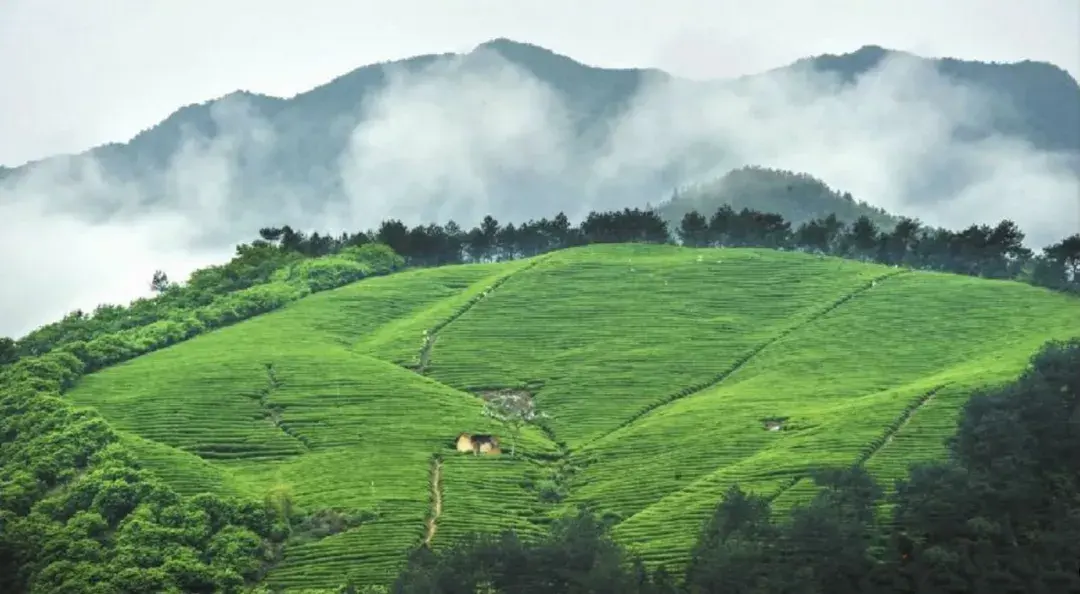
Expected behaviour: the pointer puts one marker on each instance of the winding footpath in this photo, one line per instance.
(436, 502)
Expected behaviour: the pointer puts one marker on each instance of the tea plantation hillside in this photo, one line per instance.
(669, 373)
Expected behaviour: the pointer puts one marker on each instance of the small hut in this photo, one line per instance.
(478, 444)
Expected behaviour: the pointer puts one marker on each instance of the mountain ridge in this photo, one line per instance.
(313, 132)
(866, 57)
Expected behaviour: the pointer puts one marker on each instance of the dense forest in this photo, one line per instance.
(77, 514)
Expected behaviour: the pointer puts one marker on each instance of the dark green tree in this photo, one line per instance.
(694, 230)
(9, 351)
(735, 552)
(861, 239)
(160, 282)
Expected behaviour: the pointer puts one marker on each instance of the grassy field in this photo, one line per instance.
(659, 366)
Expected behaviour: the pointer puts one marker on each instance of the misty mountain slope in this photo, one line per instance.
(156, 147)
(590, 93)
(593, 94)
(658, 365)
(518, 131)
(1044, 99)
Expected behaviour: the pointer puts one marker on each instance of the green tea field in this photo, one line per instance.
(669, 374)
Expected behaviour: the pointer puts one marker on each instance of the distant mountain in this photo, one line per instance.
(311, 131)
(799, 196)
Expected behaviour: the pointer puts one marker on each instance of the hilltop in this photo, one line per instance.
(660, 366)
(297, 150)
(800, 198)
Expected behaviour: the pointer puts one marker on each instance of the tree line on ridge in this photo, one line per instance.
(979, 250)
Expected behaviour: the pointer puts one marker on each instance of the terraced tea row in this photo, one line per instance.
(351, 432)
(664, 369)
(201, 400)
(369, 554)
(187, 473)
(733, 447)
(610, 331)
(364, 310)
(488, 494)
(839, 383)
(404, 339)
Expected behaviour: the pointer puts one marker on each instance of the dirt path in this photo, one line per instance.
(432, 333)
(425, 353)
(272, 413)
(436, 502)
(784, 489)
(902, 421)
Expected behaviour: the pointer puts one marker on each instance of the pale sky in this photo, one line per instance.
(75, 74)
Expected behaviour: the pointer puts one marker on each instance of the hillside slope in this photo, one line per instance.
(660, 366)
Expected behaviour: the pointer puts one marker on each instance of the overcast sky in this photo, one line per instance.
(75, 74)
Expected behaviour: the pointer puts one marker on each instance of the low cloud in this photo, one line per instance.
(475, 135)
(448, 141)
(55, 262)
(61, 254)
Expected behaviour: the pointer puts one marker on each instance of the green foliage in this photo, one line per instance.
(212, 297)
(80, 515)
(1001, 515)
(78, 512)
(9, 351)
(240, 432)
(350, 265)
(575, 556)
(253, 265)
(284, 256)
(376, 255)
(1003, 512)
